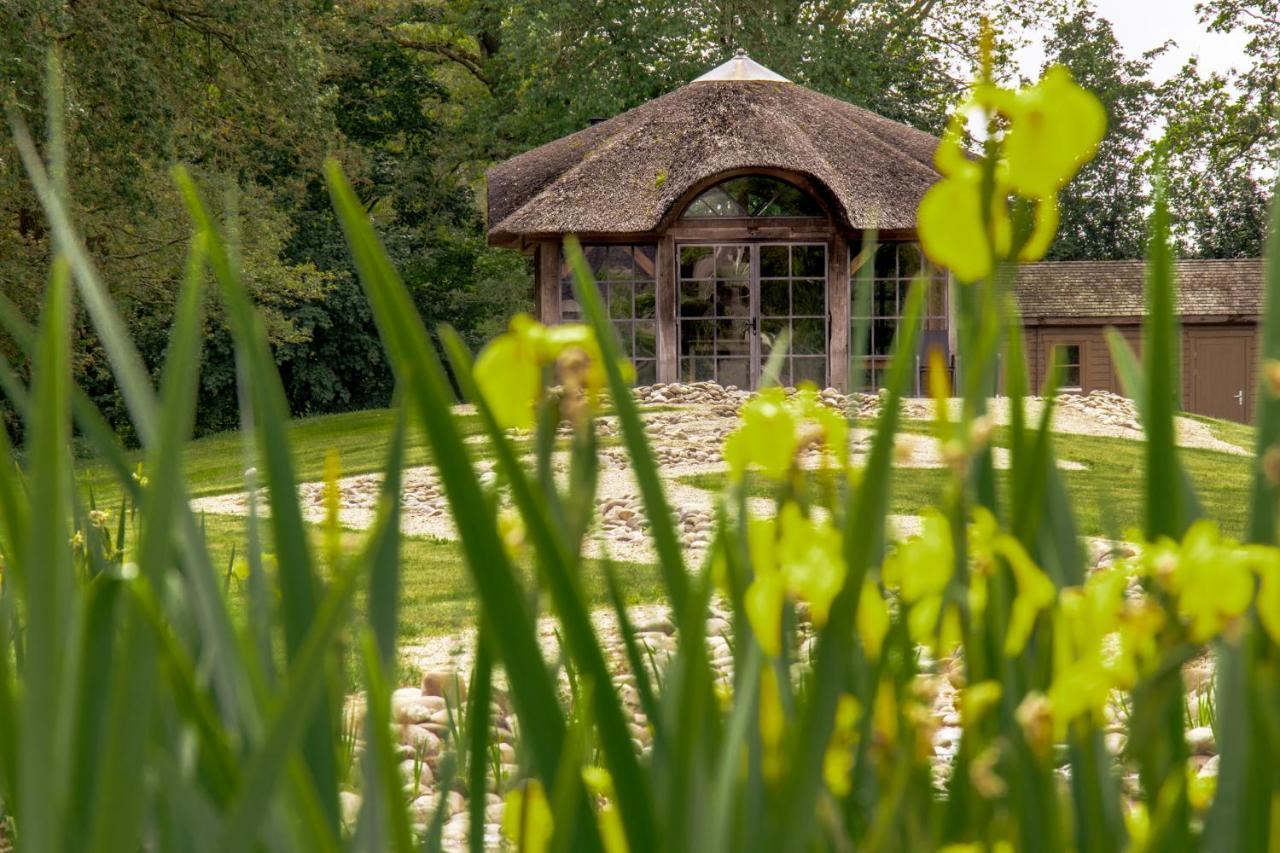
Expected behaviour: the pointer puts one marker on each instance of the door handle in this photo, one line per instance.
(1240, 397)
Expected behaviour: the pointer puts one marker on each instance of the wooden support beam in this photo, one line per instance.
(668, 300)
(547, 281)
(838, 313)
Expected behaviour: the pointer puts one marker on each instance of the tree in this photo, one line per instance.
(229, 88)
(1104, 209)
(1221, 137)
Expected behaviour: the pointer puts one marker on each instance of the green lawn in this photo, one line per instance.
(436, 593)
(1107, 496)
(216, 463)
(436, 596)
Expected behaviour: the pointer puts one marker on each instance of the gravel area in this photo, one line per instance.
(686, 439)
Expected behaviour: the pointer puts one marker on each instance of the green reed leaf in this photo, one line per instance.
(426, 389)
(557, 564)
(1165, 514)
(657, 509)
(384, 794)
(299, 588)
(863, 538)
(48, 585)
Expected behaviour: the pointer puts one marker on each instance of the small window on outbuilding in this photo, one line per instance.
(1070, 362)
(751, 196)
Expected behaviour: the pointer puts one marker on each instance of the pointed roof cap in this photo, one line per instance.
(741, 67)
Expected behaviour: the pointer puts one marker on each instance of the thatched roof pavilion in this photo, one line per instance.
(721, 214)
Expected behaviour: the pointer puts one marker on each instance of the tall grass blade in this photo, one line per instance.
(382, 785)
(863, 539)
(1241, 817)
(299, 589)
(116, 821)
(557, 566)
(657, 509)
(303, 691)
(422, 378)
(1165, 514)
(384, 550)
(48, 584)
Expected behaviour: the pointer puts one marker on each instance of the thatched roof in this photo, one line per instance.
(623, 175)
(1078, 290)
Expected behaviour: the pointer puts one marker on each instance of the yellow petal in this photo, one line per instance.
(950, 225)
(510, 380)
(526, 818)
(763, 603)
(1054, 129)
(872, 619)
(1046, 228)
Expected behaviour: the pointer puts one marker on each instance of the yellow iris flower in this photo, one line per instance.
(1052, 129)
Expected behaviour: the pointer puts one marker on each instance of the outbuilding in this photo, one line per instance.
(1070, 304)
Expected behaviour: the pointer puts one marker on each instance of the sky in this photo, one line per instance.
(1143, 24)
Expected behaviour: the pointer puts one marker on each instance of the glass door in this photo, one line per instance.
(718, 314)
(737, 299)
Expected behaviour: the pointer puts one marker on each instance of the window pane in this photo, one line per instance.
(696, 262)
(809, 298)
(646, 372)
(696, 299)
(809, 370)
(733, 337)
(620, 301)
(809, 336)
(618, 265)
(774, 300)
(1071, 376)
(646, 339)
(882, 336)
(886, 260)
(753, 195)
(733, 262)
(909, 260)
(770, 332)
(569, 310)
(624, 337)
(884, 302)
(809, 261)
(646, 264)
(734, 371)
(733, 299)
(1070, 354)
(697, 336)
(645, 300)
(773, 261)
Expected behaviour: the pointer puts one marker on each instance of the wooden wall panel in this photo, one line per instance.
(547, 281)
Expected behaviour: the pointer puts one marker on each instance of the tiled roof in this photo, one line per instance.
(1082, 289)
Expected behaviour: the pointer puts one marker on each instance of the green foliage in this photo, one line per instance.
(1222, 135)
(137, 711)
(1104, 209)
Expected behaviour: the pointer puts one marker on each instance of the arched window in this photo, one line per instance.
(753, 195)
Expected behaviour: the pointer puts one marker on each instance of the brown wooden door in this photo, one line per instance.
(1220, 378)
